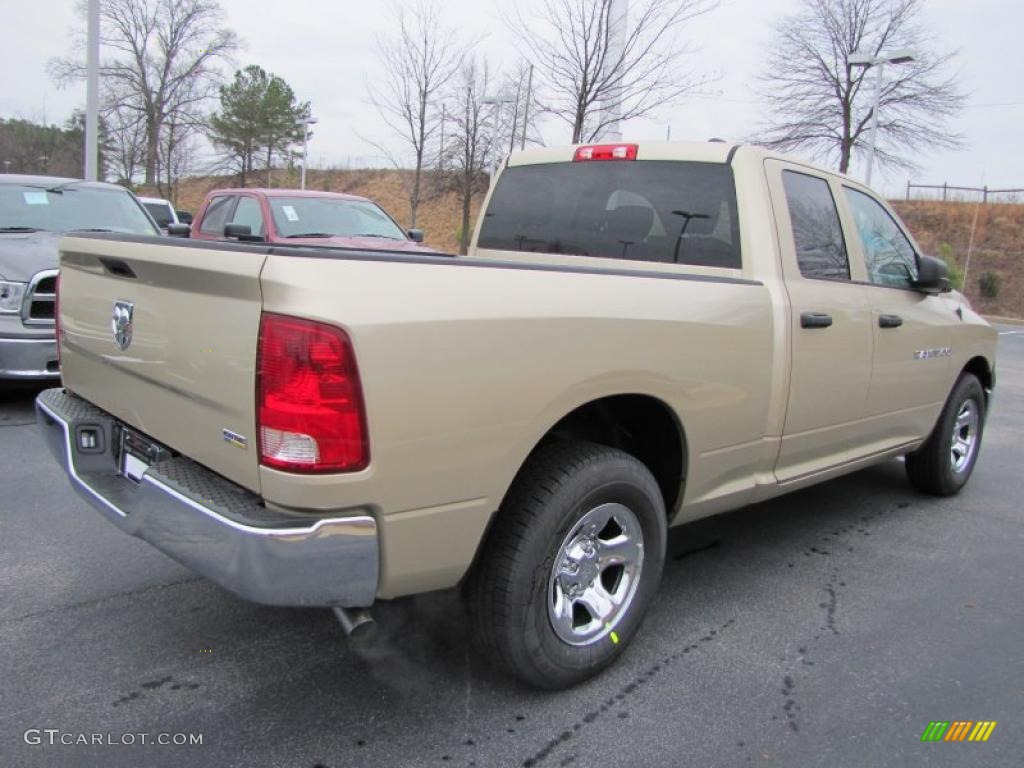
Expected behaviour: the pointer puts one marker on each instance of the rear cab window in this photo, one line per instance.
(665, 211)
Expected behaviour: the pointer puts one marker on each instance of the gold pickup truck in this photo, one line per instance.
(641, 335)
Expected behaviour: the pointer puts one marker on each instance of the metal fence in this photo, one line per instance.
(945, 191)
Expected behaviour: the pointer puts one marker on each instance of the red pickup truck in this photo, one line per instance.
(302, 217)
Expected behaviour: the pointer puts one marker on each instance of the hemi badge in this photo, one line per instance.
(928, 354)
(235, 439)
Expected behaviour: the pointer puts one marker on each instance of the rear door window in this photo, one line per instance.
(817, 233)
(644, 210)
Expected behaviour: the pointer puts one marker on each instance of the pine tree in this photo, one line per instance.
(258, 121)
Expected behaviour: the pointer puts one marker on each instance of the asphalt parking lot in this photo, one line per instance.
(826, 628)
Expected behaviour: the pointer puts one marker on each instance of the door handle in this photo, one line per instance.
(815, 320)
(889, 321)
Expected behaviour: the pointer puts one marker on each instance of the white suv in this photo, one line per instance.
(161, 210)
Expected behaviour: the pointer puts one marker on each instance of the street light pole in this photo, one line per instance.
(92, 91)
(305, 123)
(867, 61)
(873, 136)
(497, 103)
(612, 107)
(444, 122)
(526, 107)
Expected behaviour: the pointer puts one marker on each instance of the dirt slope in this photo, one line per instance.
(944, 229)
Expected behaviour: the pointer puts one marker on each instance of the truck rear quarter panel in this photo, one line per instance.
(465, 367)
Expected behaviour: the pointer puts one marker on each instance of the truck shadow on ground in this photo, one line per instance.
(17, 402)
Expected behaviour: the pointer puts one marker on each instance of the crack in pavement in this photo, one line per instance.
(99, 600)
(627, 690)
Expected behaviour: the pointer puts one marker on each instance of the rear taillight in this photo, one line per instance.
(309, 402)
(605, 152)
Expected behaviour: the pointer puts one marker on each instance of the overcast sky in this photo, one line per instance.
(326, 50)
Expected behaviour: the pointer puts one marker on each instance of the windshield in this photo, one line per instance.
(67, 207)
(644, 210)
(332, 217)
(161, 212)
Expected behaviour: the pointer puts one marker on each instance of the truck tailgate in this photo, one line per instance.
(186, 377)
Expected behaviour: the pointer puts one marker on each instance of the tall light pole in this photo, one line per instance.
(497, 103)
(866, 60)
(305, 123)
(526, 107)
(612, 107)
(92, 91)
(444, 122)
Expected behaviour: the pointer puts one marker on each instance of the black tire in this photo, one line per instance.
(932, 467)
(513, 581)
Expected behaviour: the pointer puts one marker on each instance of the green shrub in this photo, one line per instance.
(989, 283)
(955, 274)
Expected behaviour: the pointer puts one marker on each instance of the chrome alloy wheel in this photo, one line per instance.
(965, 436)
(595, 574)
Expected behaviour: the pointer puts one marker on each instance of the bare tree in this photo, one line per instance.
(516, 110)
(819, 103)
(583, 70)
(164, 61)
(127, 136)
(471, 138)
(178, 152)
(419, 61)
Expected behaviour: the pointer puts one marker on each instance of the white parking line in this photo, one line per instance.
(1009, 333)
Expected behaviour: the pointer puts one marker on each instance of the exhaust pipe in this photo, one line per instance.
(357, 622)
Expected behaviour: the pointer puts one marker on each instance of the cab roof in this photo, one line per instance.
(717, 151)
(702, 151)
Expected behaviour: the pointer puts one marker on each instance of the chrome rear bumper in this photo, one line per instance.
(207, 523)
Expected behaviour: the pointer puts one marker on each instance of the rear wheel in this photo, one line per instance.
(571, 564)
(943, 464)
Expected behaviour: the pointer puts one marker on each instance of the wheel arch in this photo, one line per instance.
(642, 425)
(983, 370)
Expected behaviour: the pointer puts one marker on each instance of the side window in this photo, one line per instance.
(889, 255)
(820, 248)
(249, 212)
(216, 215)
